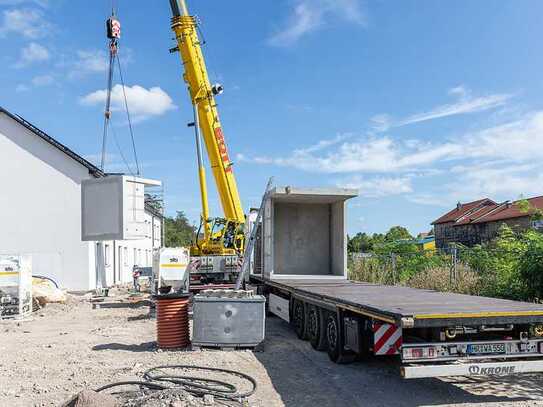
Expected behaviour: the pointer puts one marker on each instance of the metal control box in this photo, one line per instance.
(228, 318)
(15, 286)
(113, 208)
(170, 269)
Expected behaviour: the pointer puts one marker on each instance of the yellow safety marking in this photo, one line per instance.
(173, 265)
(9, 273)
(368, 314)
(480, 314)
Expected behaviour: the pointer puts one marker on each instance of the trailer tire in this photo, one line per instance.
(335, 340)
(299, 318)
(316, 327)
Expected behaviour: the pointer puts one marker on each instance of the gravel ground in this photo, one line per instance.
(68, 348)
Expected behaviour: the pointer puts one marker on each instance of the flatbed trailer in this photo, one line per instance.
(433, 333)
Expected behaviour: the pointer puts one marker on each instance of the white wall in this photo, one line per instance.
(122, 256)
(40, 213)
(40, 205)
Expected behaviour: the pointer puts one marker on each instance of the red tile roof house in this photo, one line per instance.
(479, 221)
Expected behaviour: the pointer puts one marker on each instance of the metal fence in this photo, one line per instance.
(445, 270)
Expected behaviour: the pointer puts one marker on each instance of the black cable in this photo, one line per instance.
(197, 386)
(152, 386)
(203, 389)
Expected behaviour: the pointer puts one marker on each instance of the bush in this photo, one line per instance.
(439, 279)
(531, 267)
(510, 267)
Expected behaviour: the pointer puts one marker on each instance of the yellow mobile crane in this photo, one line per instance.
(218, 253)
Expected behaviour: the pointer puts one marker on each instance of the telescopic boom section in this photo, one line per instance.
(202, 96)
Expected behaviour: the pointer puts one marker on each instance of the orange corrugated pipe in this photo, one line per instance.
(172, 315)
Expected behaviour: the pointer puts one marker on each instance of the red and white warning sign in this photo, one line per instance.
(113, 28)
(387, 338)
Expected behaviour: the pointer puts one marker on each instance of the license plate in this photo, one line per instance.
(486, 348)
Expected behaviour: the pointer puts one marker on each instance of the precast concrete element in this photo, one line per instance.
(304, 233)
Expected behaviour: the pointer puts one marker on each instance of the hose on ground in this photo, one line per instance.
(46, 278)
(156, 379)
(152, 386)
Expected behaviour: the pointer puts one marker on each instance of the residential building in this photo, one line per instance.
(479, 221)
(40, 210)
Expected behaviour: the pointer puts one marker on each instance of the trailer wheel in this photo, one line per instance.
(334, 336)
(298, 318)
(316, 327)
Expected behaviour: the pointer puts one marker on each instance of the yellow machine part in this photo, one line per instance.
(200, 89)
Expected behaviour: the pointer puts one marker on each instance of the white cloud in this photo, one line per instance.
(43, 80)
(376, 154)
(466, 103)
(322, 144)
(378, 187)
(384, 154)
(32, 53)
(495, 180)
(431, 199)
(501, 161)
(94, 61)
(91, 61)
(464, 106)
(310, 15)
(143, 103)
(41, 3)
(29, 23)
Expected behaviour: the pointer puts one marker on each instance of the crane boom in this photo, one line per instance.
(202, 95)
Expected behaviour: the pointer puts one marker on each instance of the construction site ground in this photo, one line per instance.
(70, 347)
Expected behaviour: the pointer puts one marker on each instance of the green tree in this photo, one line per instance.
(397, 233)
(531, 266)
(178, 231)
(360, 243)
(526, 207)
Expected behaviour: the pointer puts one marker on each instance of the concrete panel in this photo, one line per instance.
(302, 239)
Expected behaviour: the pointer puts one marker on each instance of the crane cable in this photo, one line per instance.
(114, 33)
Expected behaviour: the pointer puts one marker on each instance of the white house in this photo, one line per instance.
(40, 210)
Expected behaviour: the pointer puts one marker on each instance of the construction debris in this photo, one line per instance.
(90, 398)
(45, 292)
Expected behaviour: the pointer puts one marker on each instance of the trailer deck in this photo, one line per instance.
(410, 307)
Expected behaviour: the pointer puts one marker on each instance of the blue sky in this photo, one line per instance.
(418, 104)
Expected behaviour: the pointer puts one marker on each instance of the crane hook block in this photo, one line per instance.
(113, 28)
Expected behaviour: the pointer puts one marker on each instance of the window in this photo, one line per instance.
(125, 259)
(107, 255)
(135, 257)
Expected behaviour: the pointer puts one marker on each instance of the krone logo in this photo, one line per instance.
(474, 369)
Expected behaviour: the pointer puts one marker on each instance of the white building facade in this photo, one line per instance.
(40, 211)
